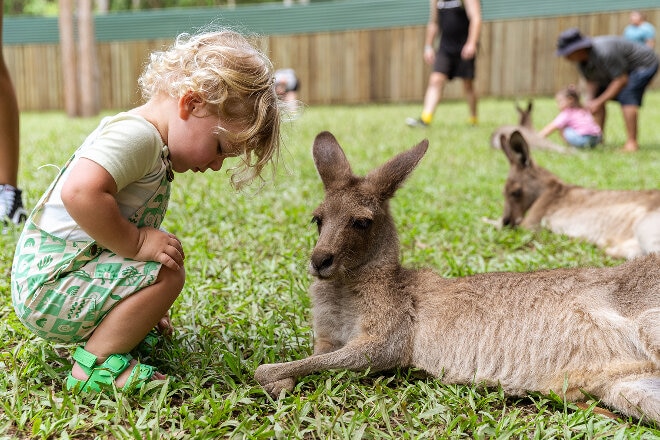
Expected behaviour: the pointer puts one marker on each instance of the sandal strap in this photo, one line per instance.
(140, 374)
(84, 358)
(116, 363)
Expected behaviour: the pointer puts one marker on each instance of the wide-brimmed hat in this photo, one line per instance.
(571, 40)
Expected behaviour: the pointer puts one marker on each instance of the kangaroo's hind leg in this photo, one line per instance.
(648, 233)
(636, 395)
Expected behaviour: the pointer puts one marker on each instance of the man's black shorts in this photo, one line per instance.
(453, 65)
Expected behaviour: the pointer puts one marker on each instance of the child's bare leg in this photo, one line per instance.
(131, 319)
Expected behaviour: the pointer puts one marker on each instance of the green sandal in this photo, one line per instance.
(148, 344)
(105, 374)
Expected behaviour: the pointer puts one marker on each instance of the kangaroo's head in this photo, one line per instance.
(526, 181)
(356, 229)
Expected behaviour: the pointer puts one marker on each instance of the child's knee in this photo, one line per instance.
(172, 280)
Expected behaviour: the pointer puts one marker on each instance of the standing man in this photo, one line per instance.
(614, 68)
(11, 203)
(460, 23)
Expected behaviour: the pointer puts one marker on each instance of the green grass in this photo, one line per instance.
(245, 301)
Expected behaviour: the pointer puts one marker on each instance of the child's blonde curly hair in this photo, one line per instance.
(226, 71)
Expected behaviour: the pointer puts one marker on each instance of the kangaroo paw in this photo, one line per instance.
(266, 373)
(275, 388)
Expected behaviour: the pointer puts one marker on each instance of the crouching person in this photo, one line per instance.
(92, 264)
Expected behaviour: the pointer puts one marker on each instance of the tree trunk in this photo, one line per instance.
(69, 64)
(87, 64)
(102, 6)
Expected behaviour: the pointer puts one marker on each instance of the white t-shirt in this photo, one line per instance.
(129, 148)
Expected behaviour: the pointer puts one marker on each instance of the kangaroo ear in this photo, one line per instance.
(517, 150)
(388, 177)
(330, 160)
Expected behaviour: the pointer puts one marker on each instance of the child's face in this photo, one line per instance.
(194, 141)
(562, 101)
(280, 89)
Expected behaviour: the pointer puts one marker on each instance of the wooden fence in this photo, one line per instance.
(516, 59)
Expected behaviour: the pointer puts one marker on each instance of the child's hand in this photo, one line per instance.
(165, 326)
(160, 246)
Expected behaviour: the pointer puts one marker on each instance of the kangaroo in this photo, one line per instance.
(625, 223)
(597, 329)
(526, 128)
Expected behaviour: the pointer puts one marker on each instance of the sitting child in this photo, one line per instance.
(92, 264)
(576, 123)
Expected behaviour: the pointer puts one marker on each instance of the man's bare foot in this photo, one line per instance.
(630, 147)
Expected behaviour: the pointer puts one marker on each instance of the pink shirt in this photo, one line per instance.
(579, 119)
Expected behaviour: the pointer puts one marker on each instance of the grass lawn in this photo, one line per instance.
(245, 301)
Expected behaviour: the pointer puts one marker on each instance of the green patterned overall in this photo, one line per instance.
(61, 290)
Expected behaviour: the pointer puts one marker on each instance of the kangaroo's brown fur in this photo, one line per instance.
(526, 128)
(597, 330)
(625, 223)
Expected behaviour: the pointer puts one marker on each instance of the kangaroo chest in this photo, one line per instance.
(336, 312)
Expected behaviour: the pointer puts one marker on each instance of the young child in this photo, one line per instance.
(287, 85)
(576, 123)
(92, 263)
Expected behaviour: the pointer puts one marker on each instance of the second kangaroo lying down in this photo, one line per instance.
(596, 329)
(625, 223)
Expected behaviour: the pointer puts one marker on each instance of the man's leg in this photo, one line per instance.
(11, 204)
(8, 121)
(432, 97)
(471, 97)
(599, 117)
(630, 113)
(434, 91)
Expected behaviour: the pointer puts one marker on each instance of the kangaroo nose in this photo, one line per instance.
(322, 260)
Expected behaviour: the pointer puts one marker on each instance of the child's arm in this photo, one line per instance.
(89, 196)
(548, 129)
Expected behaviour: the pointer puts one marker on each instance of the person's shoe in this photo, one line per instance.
(102, 376)
(418, 123)
(11, 205)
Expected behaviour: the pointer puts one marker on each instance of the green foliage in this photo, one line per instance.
(245, 301)
(51, 7)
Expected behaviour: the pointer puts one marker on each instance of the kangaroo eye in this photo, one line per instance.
(361, 223)
(517, 193)
(316, 219)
